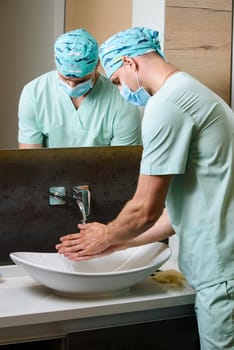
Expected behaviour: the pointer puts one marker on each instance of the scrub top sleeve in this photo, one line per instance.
(166, 136)
(28, 129)
(127, 126)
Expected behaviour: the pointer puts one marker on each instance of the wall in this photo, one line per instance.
(198, 39)
(29, 223)
(150, 13)
(100, 17)
(103, 18)
(28, 29)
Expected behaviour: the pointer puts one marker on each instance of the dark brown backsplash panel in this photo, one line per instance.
(29, 223)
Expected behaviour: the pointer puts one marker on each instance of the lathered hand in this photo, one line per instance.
(91, 241)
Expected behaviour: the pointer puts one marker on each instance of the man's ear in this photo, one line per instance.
(129, 61)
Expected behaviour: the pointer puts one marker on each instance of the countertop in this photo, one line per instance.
(30, 311)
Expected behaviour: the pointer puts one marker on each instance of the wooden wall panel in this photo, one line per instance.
(198, 39)
(101, 18)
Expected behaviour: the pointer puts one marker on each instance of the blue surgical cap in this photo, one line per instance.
(132, 42)
(76, 53)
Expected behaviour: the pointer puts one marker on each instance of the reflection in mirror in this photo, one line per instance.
(74, 105)
(37, 25)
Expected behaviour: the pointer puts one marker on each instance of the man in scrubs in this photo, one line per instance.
(186, 182)
(75, 105)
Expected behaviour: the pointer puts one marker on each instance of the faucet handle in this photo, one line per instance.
(57, 195)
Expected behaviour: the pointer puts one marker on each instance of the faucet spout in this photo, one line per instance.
(82, 195)
(82, 209)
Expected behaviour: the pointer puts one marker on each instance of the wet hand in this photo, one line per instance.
(90, 242)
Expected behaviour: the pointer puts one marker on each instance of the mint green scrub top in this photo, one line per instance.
(188, 131)
(103, 119)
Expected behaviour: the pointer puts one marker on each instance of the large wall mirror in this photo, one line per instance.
(197, 37)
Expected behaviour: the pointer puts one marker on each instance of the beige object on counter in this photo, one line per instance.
(170, 277)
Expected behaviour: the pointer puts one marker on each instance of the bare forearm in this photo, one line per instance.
(161, 230)
(140, 213)
(130, 223)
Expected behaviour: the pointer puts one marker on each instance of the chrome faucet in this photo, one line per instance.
(81, 196)
(82, 209)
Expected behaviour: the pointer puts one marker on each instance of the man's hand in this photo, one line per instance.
(90, 242)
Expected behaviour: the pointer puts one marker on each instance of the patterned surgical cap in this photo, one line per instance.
(76, 53)
(131, 42)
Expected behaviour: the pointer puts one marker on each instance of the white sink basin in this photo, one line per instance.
(107, 275)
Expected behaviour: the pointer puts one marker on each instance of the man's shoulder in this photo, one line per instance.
(43, 79)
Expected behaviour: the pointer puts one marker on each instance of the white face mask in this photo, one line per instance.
(138, 97)
(77, 91)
